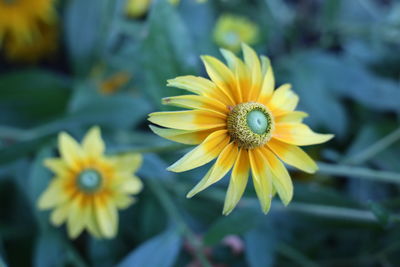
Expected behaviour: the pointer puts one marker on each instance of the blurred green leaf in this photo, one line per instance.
(166, 52)
(260, 243)
(380, 212)
(83, 29)
(239, 222)
(21, 149)
(32, 96)
(160, 251)
(2, 263)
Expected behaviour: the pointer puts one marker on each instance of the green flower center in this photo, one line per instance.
(89, 180)
(257, 121)
(250, 125)
(231, 38)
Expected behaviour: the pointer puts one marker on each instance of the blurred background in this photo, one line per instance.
(69, 65)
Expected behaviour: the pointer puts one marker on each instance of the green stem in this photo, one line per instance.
(375, 148)
(359, 172)
(169, 206)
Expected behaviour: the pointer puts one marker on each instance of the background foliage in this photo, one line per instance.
(341, 56)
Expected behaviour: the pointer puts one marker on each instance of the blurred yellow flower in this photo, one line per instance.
(238, 118)
(89, 187)
(138, 8)
(230, 31)
(113, 83)
(20, 20)
(41, 46)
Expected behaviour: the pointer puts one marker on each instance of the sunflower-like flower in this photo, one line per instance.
(20, 19)
(89, 187)
(238, 118)
(231, 31)
(43, 46)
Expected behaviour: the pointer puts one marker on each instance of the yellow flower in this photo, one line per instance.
(230, 31)
(238, 118)
(138, 8)
(41, 46)
(19, 19)
(89, 187)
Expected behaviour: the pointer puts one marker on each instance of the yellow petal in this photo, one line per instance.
(241, 72)
(298, 134)
(293, 156)
(56, 165)
(262, 178)
(238, 182)
(92, 143)
(196, 102)
(77, 217)
(181, 136)
(268, 84)
(221, 75)
(129, 162)
(106, 215)
(197, 85)
(217, 172)
(59, 214)
(280, 177)
(123, 201)
(200, 86)
(291, 117)
(70, 150)
(188, 120)
(53, 196)
(253, 64)
(133, 185)
(203, 153)
(283, 100)
(92, 225)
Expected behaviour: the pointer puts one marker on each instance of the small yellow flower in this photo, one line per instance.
(138, 8)
(238, 118)
(19, 19)
(42, 46)
(89, 187)
(230, 31)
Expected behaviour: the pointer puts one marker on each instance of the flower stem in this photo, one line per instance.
(169, 206)
(374, 149)
(360, 172)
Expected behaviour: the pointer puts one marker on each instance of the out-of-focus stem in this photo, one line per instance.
(169, 206)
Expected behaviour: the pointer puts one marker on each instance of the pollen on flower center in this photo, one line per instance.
(89, 180)
(250, 125)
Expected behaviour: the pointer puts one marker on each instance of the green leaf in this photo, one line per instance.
(38, 181)
(83, 29)
(160, 251)
(238, 222)
(380, 212)
(2, 263)
(260, 244)
(167, 51)
(21, 149)
(49, 251)
(25, 96)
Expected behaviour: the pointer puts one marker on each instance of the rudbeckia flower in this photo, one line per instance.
(20, 20)
(239, 119)
(42, 46)
(89, 187)
(231, 31)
